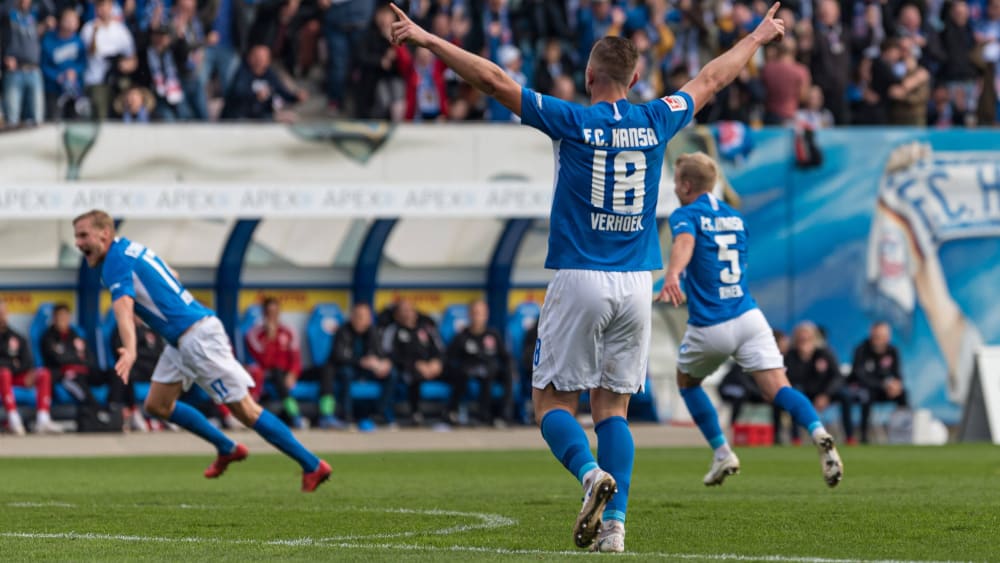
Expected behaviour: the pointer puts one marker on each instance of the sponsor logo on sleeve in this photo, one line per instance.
(675, 103)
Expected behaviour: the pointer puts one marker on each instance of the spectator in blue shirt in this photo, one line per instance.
(64, 60)
(23, 92)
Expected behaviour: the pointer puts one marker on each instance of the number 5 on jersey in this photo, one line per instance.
(732, 274)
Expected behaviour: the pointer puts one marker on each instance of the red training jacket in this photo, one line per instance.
(280, 352)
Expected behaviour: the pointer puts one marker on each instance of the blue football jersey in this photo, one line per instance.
(608, 163)
(715, 279)
(160, 300)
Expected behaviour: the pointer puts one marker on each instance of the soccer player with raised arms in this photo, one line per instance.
(710, 252)
(198, 352)
(595, 325)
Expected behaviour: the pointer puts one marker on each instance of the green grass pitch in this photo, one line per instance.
(896, 503)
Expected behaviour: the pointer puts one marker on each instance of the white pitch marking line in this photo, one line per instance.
(309, 542)
(484, 521)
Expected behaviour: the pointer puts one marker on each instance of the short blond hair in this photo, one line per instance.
(98, 218)
(698, 169)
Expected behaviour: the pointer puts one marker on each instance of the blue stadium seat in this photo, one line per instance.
(62, 397)
(251, 317)
(25, 396)
(366, 391)
(323, 322)
(306, 391)
(141, 390)
(434, 391)
(453, 320)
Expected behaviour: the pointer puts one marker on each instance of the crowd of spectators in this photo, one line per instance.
(865, 62)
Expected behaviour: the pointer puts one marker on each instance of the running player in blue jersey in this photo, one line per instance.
(710, 253)
(595, 326)
(198, 352)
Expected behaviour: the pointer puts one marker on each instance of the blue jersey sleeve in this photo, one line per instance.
(117, 275)
(552, 116)
(682, 222)
(674, 112)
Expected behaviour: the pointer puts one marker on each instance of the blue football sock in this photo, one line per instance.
(274, 431)
(615, 454)
(568, 442)
(191, 419)
(799, 406)
(704, 415)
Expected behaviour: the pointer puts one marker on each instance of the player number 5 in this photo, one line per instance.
(732, 274)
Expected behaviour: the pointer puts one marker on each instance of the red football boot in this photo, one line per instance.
(220, 464)
(312, 480)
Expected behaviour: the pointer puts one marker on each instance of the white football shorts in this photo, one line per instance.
(747, 338)
(204, 356)
(594, 331)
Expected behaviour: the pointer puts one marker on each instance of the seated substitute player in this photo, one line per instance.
(198, 349)
(479, 352)
(710, 249)
(416, 350)
(65, 354)
(876, 376)
(357, 356)
(275, 348)
(595, 326)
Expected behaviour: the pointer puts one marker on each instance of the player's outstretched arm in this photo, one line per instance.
(481, 73)
(722, 70)
(680, 256)
(124, 308)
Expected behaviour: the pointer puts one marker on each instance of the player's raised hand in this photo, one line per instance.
(405, 31)
(671, 292)
(770, 28)
(123, 367)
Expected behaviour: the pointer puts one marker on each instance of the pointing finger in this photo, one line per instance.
(770, 13)
(399, 13)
